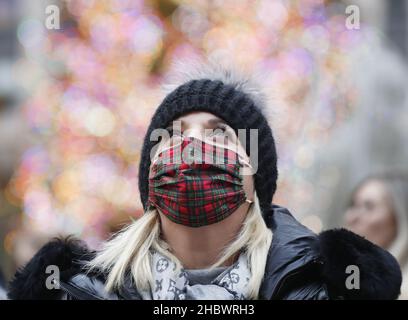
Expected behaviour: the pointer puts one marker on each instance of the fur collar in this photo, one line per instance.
(29, 281)
(380, 274)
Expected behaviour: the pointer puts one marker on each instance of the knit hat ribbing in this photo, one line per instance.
(232, 105)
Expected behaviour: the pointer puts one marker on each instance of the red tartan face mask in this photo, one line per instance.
(196, 183)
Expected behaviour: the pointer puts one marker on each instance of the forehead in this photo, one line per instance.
(372, 189)
(200, 118)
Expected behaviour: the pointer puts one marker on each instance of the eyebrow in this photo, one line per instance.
(212, 122)
(216, 121)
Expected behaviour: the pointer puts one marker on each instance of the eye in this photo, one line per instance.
(176, 134)
(217, 132)
(222, 130)
(369, 205)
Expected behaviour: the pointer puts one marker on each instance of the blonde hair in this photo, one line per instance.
(130, 248)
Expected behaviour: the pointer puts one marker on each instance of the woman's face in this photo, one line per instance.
(194, 125)
(371, 215)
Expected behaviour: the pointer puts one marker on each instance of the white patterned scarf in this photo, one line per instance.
(230, 284)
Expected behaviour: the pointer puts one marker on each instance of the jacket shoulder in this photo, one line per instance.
(86, 287)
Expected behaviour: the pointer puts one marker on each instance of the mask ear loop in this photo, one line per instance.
(246, 163)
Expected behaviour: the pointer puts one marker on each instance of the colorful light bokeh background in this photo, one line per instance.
(94, 84)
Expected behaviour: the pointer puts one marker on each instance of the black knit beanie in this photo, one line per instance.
(237, 109)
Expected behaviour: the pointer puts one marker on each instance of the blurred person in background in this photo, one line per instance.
(3, 294)
(378, 211)
(239, 246)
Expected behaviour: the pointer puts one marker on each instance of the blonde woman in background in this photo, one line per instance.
(379, 212)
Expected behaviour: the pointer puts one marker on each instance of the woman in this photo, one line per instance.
(209, 230)
(3, 294)
(379, 212)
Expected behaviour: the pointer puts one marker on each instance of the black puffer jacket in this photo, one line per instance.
(300, 265)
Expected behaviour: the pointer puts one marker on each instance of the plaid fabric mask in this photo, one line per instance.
(196, 183)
